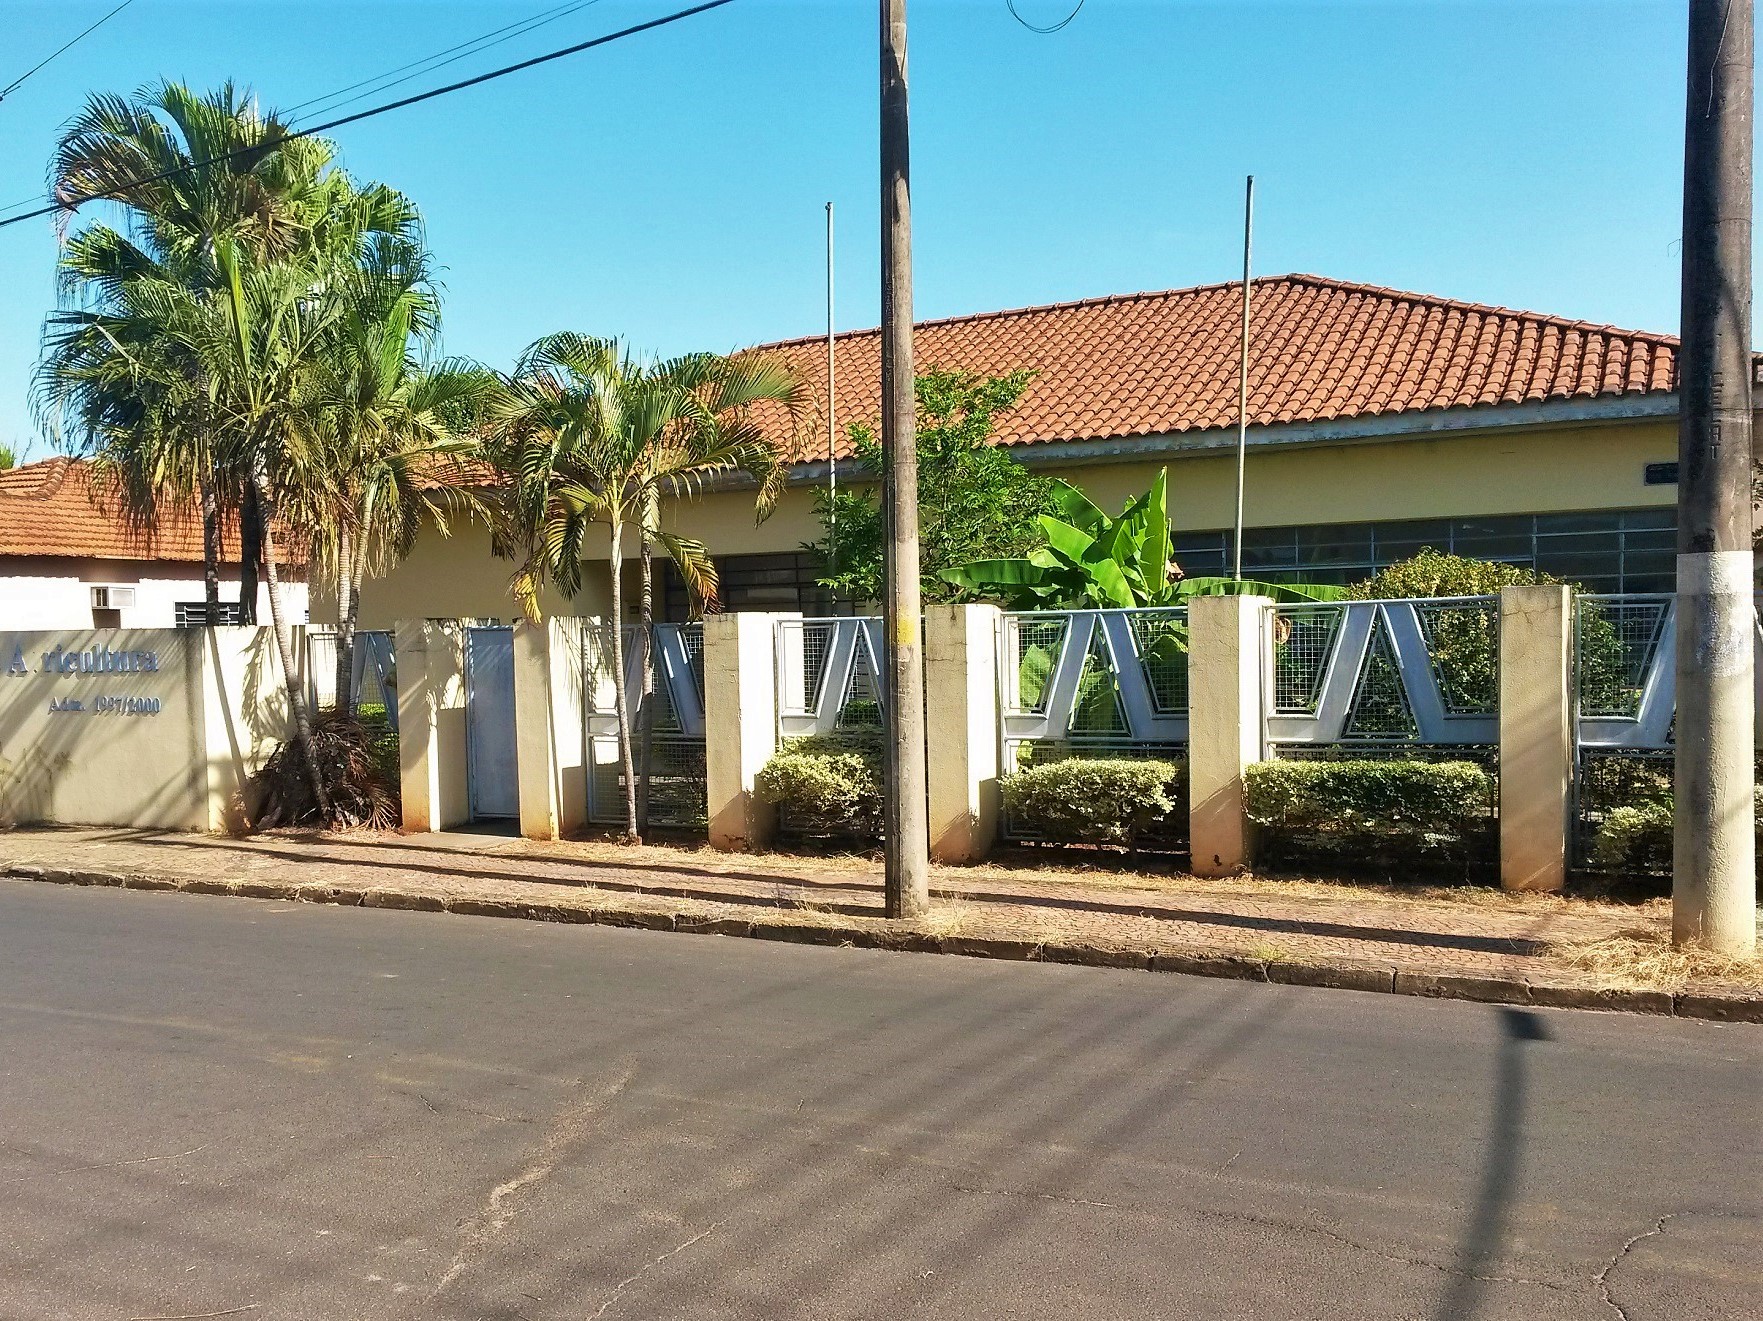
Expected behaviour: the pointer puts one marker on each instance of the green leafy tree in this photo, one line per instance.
(975, 501)
(8, 458)
(1090, 561)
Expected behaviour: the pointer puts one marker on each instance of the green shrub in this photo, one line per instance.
(1637, 838)
(1384, 814)
(1433, 573)
(826, 785)
(1094, 801)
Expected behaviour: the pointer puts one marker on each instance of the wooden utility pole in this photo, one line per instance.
(907, 815)
(1714, 873)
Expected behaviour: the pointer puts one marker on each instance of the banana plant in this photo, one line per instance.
(1093, 562)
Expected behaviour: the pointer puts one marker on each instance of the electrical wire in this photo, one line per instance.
(381, 82)
(1011, 6)
(18, 82)
(358, 116)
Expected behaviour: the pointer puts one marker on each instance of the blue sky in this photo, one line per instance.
(670, 188)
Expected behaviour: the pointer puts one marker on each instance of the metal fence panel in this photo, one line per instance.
(674, 750)
(1625, 677)
(1348, 674)
(1094, 683)
(829, 676)
(374, 670)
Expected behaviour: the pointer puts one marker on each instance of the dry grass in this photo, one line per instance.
(1110, 872)
(1646, 959)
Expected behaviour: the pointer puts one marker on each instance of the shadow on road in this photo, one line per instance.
(1479, 1253)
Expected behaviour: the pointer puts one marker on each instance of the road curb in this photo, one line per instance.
(878, 934)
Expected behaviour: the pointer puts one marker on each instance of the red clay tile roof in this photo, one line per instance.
(1159, 363)
(52, 508)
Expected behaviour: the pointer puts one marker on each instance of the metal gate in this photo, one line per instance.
(673, 753)
(493, 780)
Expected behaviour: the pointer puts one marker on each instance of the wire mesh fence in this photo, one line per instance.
(1617, 641)
(1409, 673)
(1614, 786)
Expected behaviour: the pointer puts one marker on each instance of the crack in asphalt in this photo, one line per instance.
(648, 1266)
(105, 1165)
(1602, 1278)
(1043, 1197)
(504, 1200)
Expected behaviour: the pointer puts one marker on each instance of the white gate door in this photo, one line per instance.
(493, 777)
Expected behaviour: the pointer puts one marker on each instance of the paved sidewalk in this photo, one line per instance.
(1495, 947)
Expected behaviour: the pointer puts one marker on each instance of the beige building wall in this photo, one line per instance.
(453, 577)
(1460, 474)
(1457, 476)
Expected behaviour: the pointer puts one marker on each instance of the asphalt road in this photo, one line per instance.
(219, 1107)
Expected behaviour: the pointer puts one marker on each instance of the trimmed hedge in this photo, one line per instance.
(826, 786)
(1377, 814)
(1085, 800)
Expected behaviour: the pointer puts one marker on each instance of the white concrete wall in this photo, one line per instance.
(63, 600)
(167, 737)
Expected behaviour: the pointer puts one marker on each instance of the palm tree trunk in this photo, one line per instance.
(646, 667)
(250, 553)
(345, 570)
(210, 553)
(620, 700)
(284, 645)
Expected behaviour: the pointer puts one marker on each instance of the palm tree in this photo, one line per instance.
(144, 155)
(587, 434)
(399, 451)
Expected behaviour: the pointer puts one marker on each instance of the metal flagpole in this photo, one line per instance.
(832, 429)
(1243, 381)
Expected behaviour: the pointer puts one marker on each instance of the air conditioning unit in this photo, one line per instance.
(113, 598)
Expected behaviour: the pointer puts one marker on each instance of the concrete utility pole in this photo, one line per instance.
(1714, 885)
(907, 816)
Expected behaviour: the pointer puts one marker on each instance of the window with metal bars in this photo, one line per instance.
(1616, 551)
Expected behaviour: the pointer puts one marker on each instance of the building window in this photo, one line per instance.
(757, 582)
(194, 614)
(1616, 551)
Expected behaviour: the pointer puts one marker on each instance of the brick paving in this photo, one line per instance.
(1366, 936)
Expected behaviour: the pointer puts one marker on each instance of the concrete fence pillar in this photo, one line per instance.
(1536, 736)
(431, 724)
(551, 733)
(1225, 732)
(740, 725)
(961, 712)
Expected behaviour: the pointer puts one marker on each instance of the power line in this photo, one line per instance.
(380, 82)
(360, 115)
(18, 82)
(1011, 6)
